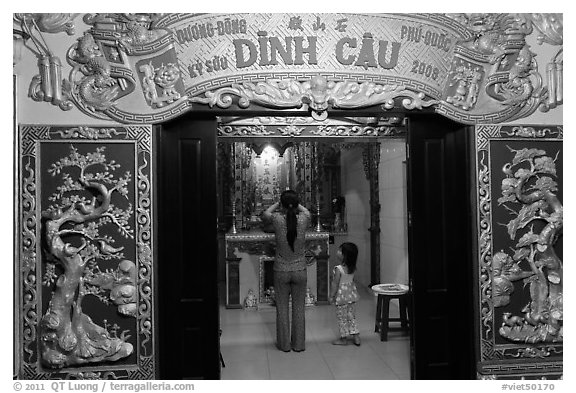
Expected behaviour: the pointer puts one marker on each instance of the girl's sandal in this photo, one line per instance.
(340, 341)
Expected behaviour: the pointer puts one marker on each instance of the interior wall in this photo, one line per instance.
(357, 193)
(393, 212)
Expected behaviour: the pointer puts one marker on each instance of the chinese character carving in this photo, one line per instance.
(318, 24)
(341, 25)
(295, 23)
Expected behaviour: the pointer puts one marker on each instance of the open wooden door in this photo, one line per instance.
(440, 248)
(187, 250)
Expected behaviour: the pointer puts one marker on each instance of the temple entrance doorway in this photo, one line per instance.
(350, 173)
(205, 278)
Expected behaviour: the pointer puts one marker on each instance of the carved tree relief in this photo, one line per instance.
(83, 204)
(529, 194)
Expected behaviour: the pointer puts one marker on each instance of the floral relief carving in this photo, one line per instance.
(87, 132)
(520, 268)
(67, 335)
(291, 130)
(257, 130)
(529, 192)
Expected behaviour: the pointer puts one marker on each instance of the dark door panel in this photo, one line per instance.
(187, 250)
(440, 233)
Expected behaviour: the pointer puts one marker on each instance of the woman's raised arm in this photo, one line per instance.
(268, 212)
(302, 209)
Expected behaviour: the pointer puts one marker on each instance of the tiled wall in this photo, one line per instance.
(393, 220)
(357, 194)
(393, 237)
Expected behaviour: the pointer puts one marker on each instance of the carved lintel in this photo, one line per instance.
(317, 93)
(232, 131)
(87, 133)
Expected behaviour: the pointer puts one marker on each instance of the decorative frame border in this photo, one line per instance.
(496, 360)
(29, 224)
(310, 131)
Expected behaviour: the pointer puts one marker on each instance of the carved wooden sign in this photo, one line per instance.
(85, 253)
(253, 47)
(145, 68)
(520, 222)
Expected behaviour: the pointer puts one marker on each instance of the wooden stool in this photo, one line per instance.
(383, 310)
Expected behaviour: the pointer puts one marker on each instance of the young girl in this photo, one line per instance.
(345, 295)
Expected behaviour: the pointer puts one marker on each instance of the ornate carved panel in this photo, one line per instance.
(288, 127)
(520, 221)
(86, 302)
(473, 68)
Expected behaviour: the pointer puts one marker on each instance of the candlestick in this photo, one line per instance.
(234, 230)
(318, 226)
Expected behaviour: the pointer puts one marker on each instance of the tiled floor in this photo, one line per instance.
(247, 346)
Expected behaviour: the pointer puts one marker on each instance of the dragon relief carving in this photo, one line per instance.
(138, 30)
(529, 193)
(513, 79)
(75, 246)
(519, 87)
(495, 35)
(96, 88)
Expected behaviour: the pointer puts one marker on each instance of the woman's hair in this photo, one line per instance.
(289, 201)
(350, 255)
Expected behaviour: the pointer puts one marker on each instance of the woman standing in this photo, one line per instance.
(289, 269)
